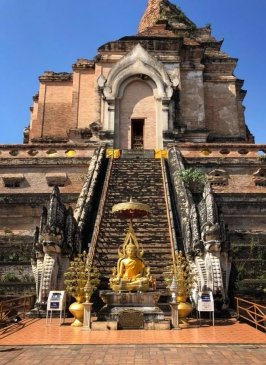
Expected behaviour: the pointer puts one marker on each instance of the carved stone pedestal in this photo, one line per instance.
(131, 310)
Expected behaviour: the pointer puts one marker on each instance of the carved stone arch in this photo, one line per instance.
(137, 67)
(217, 172)
(145, 78)
(218, 177)
(261, 172)
(259, 177)
(138, 62)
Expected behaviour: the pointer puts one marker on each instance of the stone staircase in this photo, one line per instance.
(142, 180)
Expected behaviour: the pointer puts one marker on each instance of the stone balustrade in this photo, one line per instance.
(37, 151)
(187, 150)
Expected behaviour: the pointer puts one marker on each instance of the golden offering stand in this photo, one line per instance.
(131, 272)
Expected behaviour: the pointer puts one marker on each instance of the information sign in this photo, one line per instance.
(206, 303)
(56, 302)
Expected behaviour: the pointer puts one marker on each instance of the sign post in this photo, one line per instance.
(56, 303)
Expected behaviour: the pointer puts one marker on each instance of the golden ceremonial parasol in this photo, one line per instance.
(130, 210)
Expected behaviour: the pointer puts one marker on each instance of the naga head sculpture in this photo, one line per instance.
(211, 237)
(51, 241)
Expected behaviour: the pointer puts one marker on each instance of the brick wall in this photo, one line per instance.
(221, 109)
(19, 270)
(35, 180)
(84, 98)
(57, 109)
(34, 192)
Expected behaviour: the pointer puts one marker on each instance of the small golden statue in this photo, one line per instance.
(131, 273)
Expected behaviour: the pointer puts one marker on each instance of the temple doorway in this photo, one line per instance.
(137, 132)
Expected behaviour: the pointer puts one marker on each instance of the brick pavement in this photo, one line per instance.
(134, 355)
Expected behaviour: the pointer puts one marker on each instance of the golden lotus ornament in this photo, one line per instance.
(81, 279)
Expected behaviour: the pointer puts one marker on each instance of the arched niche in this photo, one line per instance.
(138, 70)
(136, 124)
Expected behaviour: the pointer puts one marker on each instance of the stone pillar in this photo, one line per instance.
(111, 115)
(87, 316)
(174, 316)
(165, 114)
(75, 98)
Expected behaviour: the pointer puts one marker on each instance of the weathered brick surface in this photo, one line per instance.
(151, 14)
(138, 103)
(21, 207)
(35, 179)
(221, 109)
(37, 121)
(85, 99)
(192, 103)
(57, 109)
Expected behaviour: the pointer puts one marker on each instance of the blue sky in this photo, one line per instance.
(51, 34)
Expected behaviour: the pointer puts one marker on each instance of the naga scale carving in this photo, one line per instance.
(205, 238)
(56, 242)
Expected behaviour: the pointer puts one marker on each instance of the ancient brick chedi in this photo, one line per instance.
(172, 74)
(169, 87)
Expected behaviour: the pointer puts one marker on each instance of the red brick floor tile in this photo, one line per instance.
(36, 343)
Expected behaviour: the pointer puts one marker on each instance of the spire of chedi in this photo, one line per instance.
(163, 10)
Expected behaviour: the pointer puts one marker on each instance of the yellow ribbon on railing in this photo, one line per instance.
(112, 153)
(160, 153)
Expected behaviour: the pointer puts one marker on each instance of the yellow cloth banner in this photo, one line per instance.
(112, 153)
(161, 153)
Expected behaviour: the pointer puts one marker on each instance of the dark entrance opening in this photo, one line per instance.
(137, 127)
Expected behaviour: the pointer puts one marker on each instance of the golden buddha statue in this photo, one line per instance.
(131, 273)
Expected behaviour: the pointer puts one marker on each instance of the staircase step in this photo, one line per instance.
(142, 180)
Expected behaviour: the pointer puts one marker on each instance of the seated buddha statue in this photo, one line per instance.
(131, 273)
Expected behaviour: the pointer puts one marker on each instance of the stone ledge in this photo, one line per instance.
(113, 325)
(104, 326)
(56, 76)
(137, 154)
(83, 63)
(163, 325)
(58, 178)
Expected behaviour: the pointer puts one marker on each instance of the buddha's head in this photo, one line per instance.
(131, 250)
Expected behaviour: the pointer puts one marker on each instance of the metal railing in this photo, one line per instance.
(253, 313)
(169, 211)
(13, 307)
(100, 211)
